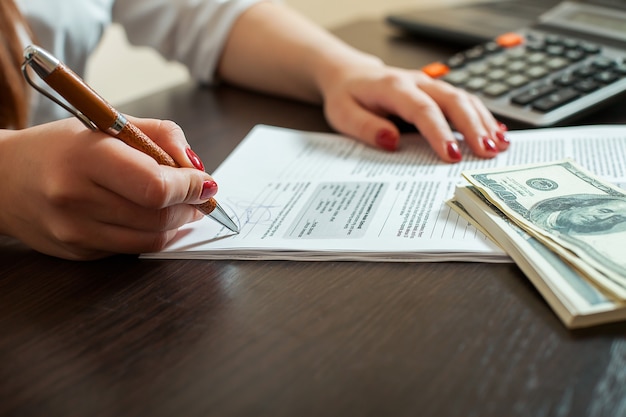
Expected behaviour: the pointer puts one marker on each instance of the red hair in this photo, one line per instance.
(13, 86)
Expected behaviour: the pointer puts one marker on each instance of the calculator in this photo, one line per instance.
(568, 64)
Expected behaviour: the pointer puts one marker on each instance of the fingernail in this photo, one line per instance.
(453, 151)
(209, 189)
(502, 137)
(387, 140)
(503, 127)
(489, 144)
(195, 159)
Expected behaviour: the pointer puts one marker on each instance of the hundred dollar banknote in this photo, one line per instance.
(567, 208)
(573, 297)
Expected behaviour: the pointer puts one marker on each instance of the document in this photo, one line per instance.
(320, 196)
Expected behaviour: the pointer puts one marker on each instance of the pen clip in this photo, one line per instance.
(71, 110)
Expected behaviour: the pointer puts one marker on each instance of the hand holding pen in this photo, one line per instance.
(96, 113)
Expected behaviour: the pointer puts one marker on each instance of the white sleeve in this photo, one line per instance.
(192, 32)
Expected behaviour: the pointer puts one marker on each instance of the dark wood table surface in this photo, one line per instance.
(130, 337)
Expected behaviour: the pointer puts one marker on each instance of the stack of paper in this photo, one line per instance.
(319, 196)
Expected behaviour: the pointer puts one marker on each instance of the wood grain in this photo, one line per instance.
(132, 337)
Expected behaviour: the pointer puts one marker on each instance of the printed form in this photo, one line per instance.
(321, 196)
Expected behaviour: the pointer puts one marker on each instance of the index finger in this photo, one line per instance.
(170, 137)
(139, 178)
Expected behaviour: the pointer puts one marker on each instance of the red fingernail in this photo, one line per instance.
(195, 159)
(502, 137)
(489, 144)
(453, 151)
(209, 189)
(387, 140)
(503, 127)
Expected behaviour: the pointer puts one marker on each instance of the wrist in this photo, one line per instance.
(339, 65)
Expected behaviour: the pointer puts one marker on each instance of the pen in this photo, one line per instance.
(97, 114)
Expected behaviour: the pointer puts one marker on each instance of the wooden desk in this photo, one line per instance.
(128, 337)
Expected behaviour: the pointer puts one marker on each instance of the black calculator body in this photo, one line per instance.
(568, 64)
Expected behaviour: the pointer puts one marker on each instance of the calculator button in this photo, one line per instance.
(570, 43)
(565, 80)
(552, 39)
(533, 94)
(475, 53)
(457, 77)
(478, 68)
(497, 74)
(517, 66)
(606, 77)
(508, 40)
(603, 63)
(496, 89)
(535, 47)
(517, 80)
(555, 50)
(537, 72)
(515, 53)
(586, 86)
(492, 47)
(555, 99)
(620, 69)
(498, 61)
(436, 69)
(476, 84)
(456, 61)
(585, 72)
(536, 57)
(575, 55)
(557, 63)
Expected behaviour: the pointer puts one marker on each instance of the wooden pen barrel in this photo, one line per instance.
(82, 97)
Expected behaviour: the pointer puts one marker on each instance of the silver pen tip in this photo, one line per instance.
(219, 215)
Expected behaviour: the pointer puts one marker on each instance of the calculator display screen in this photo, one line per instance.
(599, 20)
(587, 18)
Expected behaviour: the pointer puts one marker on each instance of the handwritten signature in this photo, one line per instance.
(250, 213)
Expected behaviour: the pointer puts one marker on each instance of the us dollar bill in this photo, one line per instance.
(576, 300)
(575, 213)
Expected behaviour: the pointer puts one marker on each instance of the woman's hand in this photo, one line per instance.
(274, 49)
(358, 99)
(78, 194)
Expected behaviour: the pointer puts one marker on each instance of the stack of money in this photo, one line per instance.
(563, 226)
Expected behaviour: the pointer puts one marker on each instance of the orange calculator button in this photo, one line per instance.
(507, 40)
(436, 69)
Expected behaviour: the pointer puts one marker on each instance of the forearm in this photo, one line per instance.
(275, 50)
